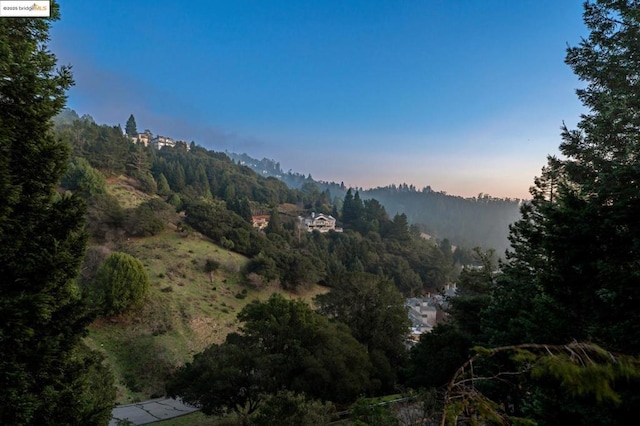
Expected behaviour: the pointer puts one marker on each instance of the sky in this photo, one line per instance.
(465, 96)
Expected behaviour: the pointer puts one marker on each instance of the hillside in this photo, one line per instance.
(178, 221)
(187, 309)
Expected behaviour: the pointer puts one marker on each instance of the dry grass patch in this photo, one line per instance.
(125, 191)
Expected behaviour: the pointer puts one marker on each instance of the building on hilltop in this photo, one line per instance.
(160, 142)
(143, 138)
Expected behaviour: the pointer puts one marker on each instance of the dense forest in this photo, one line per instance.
(547, 336)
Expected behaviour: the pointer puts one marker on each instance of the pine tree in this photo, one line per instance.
(579, 239)
(124, 281)
(163, 185)
(573, 273)
(130, 128)
(43, 368)
(275, 223)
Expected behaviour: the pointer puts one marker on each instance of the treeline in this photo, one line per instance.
(479, 221)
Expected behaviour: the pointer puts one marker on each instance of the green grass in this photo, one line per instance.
(186, 311)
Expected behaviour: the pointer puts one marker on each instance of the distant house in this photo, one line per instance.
(426, 312)
(160, 142)
(260, 221)
(143, 138)
(319, 222)
(423, 313)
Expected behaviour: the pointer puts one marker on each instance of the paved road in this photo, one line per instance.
(151, 411)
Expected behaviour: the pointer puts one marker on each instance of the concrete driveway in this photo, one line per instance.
(150, 411)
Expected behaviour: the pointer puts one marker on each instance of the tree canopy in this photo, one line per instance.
(374, 310)
(578, 243)
(124, 281)
(284, 345)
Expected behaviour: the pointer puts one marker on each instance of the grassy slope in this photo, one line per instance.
(187, 308)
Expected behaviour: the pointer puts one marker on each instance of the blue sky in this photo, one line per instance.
(464, 96)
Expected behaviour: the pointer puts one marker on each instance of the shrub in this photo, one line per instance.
(83, 178)
(124, 281)
(149, 218)
(211, 265)
(145, 182)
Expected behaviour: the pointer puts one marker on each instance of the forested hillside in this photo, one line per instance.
(140, 199)
(219, 198)
(481, 221)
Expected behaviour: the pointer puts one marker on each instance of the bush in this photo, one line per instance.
(211, 265)
(149, 218)
(124, 281)
(83, 178)
(106, 218)
(145, 182)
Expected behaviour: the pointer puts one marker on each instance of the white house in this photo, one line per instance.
(319, 222)
(161, 141)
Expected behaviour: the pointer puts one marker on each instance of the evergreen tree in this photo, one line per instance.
(275, 223)
(44, 371)
(124, 281)
(579, 239)
(83, 178)
(163, 185)
(130, 128)
(573, 272)
(352, 209)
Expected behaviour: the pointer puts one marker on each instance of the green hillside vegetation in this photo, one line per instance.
(185, 214)
(186, 310)
(196, 290)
